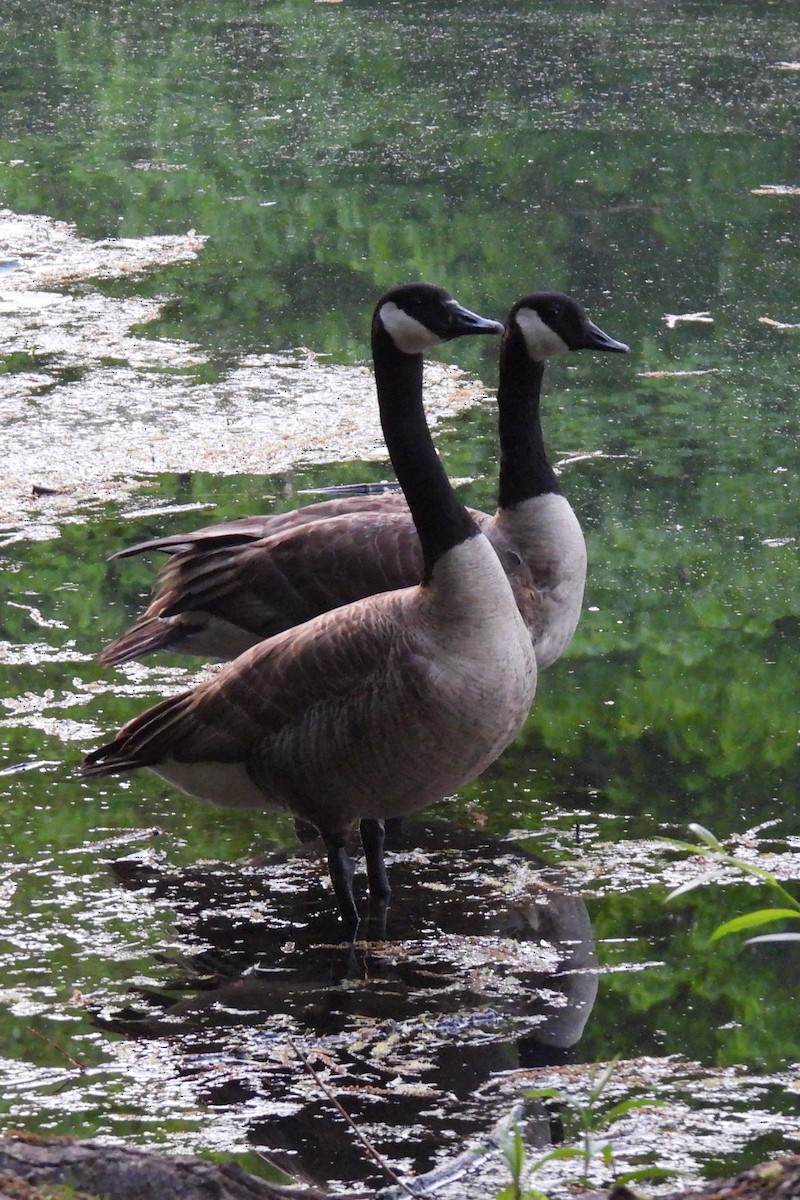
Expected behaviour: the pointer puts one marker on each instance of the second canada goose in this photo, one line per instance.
(228, 586)
(380, 707)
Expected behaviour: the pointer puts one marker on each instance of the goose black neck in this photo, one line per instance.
(440, 518)
(524, 469)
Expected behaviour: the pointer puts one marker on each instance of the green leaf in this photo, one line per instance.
(513, 1151)
(689, 886)
(542, 1094)
(707, 837)
(751, 920)
(562, 1152)
(688, 847)
(601, 1077)
(646, 1173)
(626, 1106)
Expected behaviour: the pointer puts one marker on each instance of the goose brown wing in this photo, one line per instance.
(294, 575)
(304, 678)
(266, 586)
(243, 530)
(273, 584)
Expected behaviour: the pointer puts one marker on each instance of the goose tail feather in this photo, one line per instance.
(149, 635)
(103, 762)
(144, 740)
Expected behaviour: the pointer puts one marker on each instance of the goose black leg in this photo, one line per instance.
(341, 868)
(304, 830)
(373, 837)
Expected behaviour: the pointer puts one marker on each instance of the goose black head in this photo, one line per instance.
(417, 316)
(553, 323)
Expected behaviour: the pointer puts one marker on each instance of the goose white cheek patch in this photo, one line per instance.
(410, 336)
(541, 340)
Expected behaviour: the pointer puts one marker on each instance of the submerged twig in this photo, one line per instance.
(55, 1046)
(365, 1142)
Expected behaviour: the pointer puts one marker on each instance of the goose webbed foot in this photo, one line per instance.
(342, 869)
(373, 839)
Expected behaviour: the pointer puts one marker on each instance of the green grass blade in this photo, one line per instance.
(752, 920)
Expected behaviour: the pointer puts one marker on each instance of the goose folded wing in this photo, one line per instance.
(244, 530)
(296, 574)
(315, 673)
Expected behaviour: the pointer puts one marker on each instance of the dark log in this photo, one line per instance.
(121, 1173)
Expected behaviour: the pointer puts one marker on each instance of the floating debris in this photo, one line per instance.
(90, 407)
(775, 189)
(579, 456)
(694, 318)
(675, 374)
(777, 324)
(145, 165)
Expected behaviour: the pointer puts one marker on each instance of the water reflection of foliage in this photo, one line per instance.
(254, 130)
(703, 1000)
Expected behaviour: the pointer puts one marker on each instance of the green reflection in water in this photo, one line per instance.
(327, 154)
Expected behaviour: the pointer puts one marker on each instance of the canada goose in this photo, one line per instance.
(229, 585)
(380, 707)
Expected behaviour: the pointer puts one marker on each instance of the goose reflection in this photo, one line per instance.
(491, 968)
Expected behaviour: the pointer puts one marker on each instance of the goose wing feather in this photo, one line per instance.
(255, 590)
(258, 589)
(255, 698)
(293, 575)
(244, 530)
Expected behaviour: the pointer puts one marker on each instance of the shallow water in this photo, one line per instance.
(641, 156)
